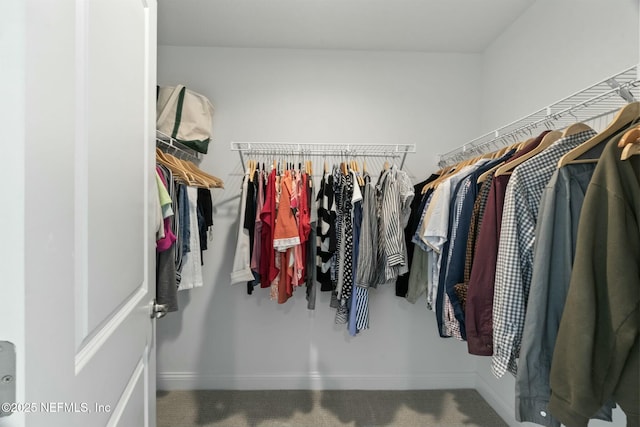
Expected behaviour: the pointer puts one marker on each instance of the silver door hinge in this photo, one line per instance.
(158, 310)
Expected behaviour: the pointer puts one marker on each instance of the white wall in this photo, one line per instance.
(556, 48)
(222, 338)
(553, 50)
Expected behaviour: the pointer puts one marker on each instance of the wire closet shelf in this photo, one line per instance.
(172, 146)
(323, 150)
(589, 104)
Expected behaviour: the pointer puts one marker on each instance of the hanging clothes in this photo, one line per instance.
(257, 232)
(515, 251)
(249, 223)
(166, 279)
(402, 283)
(474, 228)
(241, 270)
(357, 295)
(479, 308)
(394, 195)
(454, 269)
(327, 239)
(191, 273)
(597, 351)
(268, 270)
(561, 203)
(421, 276)
(312, 247)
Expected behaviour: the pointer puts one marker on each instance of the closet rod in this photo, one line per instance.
(588, 104)
(321, 149)
(166, 143)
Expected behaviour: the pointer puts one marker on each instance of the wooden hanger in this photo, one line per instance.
(364, 166)
(445, 173)
(177, 169)
(195, 174)
(482, 178)
(214, 181)
(250, 169)
(630, 143)
(343, 168)
(625, 115)
(548, 139)
(630, 137)
(187, 171)
(631, 149)
(575, 128)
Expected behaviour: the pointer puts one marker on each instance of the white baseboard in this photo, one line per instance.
(313, 381)
(506, 411)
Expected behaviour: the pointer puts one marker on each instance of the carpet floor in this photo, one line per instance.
(327, 408)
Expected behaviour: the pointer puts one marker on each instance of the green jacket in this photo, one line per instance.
(596, 357)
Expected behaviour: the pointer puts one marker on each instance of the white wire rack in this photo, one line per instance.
(596, 101)
(302, 150)
(166, 143)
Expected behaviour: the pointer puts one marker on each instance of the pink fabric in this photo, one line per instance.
(268, 269)
(168, 239)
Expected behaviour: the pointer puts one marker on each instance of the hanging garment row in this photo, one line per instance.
(184, 217)
(532, 255)
(346, 238)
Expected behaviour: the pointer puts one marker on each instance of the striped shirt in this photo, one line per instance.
(368, 243)
(395, 194)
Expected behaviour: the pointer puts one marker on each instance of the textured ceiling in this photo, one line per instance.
(405, 25)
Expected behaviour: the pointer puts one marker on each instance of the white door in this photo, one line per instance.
(80, 252)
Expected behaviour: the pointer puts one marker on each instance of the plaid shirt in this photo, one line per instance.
(515, 251)
(474, 229)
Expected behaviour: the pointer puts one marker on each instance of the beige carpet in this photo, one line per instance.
(306, 408)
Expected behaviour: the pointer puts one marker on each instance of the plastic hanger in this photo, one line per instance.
(627, 114)
(548, 139)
